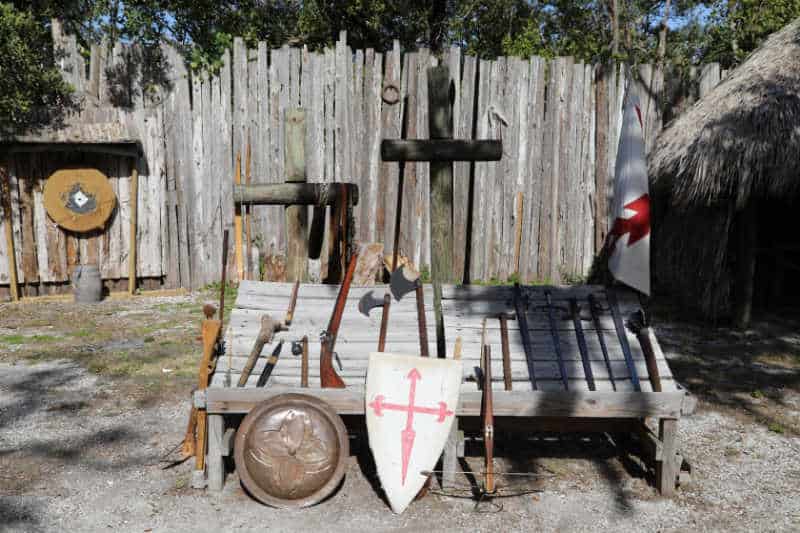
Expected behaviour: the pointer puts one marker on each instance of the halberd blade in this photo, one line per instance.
(367, 302)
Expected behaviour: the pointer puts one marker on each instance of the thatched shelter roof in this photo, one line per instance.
(743, 138)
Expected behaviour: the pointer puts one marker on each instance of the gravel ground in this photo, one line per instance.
(81, 451)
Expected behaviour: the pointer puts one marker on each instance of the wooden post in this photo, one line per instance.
(518, 231)
(296, 215)
(441, 194)
(248, 224)
(237, 220)
(5, 198)
(746, 261)
(441, 206)
(667, 468)
(134, 201)
(215, 464)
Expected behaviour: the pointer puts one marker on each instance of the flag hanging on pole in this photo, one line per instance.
(629, 238)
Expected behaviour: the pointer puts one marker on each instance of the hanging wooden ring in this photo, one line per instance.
(79, 199)
(391, 94)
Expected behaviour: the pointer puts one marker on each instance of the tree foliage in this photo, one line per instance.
(32, 90)
(718, 30)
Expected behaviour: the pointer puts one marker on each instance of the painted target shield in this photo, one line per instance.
(291, 451)
(79, 199)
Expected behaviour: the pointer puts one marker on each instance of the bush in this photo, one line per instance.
(32, 91)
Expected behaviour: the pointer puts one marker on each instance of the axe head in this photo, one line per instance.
(402, 282)
(368, 302)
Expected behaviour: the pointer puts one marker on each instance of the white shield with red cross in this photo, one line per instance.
(410, 406)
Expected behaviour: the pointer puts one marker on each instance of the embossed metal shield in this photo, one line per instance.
(79, 199)
(291, 451)
(411, 403)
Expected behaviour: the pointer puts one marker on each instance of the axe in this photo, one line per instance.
(370, 301)
(400, 285)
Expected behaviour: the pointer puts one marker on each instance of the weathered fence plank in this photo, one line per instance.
(559, 122)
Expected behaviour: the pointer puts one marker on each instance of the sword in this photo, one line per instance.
(593, 308)
(623, 339)
(556, 340)
(575, 311)
(526, 334)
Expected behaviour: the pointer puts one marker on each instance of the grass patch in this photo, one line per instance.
(776, 428)
(13, 339)
(789, 361)
(27, 339)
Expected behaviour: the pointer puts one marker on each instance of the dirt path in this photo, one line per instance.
(82, 435)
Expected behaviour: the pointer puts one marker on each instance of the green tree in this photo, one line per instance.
(32, 91)
(737, 27)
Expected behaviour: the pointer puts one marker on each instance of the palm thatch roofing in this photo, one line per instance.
(743, 138)
(740, 142)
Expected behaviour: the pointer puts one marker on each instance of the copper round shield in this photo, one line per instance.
(291, 451)
(79, 199)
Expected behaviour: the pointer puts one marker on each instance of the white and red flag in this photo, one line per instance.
(629, 238)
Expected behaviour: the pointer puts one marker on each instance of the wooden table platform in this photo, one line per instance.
(465, 310)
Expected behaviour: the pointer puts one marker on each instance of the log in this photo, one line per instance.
(296, 215)
(292, 193)
(441, 150)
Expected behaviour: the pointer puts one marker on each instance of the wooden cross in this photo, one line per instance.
(441, 150)
(296, 194)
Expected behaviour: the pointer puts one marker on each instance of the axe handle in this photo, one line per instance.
(421, 322)
(387, 302)
(263, 337)
(304, 364)
(292, 304)
(506, 352)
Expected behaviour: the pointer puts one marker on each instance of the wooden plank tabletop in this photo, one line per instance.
(466, 308)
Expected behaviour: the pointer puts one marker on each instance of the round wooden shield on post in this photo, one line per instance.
(79, 199)
(291, 451)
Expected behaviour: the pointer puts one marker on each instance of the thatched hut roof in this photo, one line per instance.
(743, 138)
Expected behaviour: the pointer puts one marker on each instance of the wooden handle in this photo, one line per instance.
(645, 336)
(421, 321)
(328, 376)
(263, 337)
(506, 352)
(387, 302)
(304, 364)
(292, 304)
(488, 419)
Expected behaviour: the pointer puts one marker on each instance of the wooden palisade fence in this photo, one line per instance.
(541, 211)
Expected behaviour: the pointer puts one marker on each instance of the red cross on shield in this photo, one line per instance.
(410, 407)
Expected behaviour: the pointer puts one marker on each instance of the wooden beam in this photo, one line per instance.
(296, 215)
(668, 467)
(5, 198)
(134, 199)
(441, 150)
(293, 193)
(746, 264)
(129, 148)
(506, 403)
